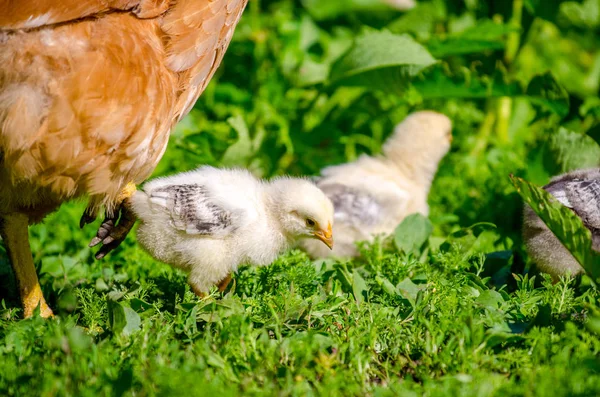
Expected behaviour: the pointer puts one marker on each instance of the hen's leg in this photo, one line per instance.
(111, 233)
(14, 231)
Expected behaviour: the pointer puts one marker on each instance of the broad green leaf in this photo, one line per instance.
(330, 9)
(495, 338)
(381, 60)
(408, 290)
(311, 73)
(485, 36)
(412, 233)
(239, 152)
(467, 239)
(420, 20)
(122, 319)
(438, 83)
(309, 33)
(571, 150)
(215, 360)
(359, 287)
(584, 15)
(543, 90)
(490, 299)
(543, 8)
(590, 107)
(562, 152)
(593, 324)
(573, 63)
(563, 222)
(387, 286)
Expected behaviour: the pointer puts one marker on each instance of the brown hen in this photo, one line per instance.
(89, 91)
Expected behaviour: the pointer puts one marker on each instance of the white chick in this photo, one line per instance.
(372, 195)
(580, 191)
(209, 221)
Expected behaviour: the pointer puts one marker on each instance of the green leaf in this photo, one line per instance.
(563, 222)
(543, 90)
(122, 319)
(490, 299)
(387, 286)
(412, 233)
(563, 151)
(584, 15)
(593, 324)
(571, 150)
(321, 10)
(485, 36)
(543, 8)
(408, 290)
(312, 72)
(309, 33)
(381, 60)
(214, 360)
(420, 20)
(239, 152)
(359, 287)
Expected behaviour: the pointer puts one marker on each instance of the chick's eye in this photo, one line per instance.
(310, 222)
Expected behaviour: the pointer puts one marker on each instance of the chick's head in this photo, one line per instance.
(302, 209)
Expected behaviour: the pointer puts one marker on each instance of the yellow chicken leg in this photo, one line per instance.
(111, 234)
(14, 231)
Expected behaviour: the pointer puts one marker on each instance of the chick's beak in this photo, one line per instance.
(325, 236)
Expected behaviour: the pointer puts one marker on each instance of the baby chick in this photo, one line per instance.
(580, 191)
(209, 221)
(372, 195)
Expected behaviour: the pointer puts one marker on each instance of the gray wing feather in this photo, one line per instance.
(582, 196)
(192, 210)
(353, 206)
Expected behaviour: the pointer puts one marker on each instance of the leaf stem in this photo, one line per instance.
(514, 38)
(513, 42)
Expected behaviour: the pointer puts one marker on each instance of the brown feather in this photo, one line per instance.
(88, 95)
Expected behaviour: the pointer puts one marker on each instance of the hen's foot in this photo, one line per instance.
(32, 299)
(115, 228)
(14, 232)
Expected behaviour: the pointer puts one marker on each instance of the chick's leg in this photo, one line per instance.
(201, 294)
(111, 234)
(14, 231)
(224, 283)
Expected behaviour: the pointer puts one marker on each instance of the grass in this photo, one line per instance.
(300, 327)
(457, 316)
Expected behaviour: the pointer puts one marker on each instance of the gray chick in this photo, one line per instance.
(580, 191)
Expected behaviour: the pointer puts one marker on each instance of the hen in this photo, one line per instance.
(372, 195)
(89, 91)
(209, 221)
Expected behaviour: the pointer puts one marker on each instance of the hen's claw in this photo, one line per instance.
(88, 216)
(103, 231)
(111, 234)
